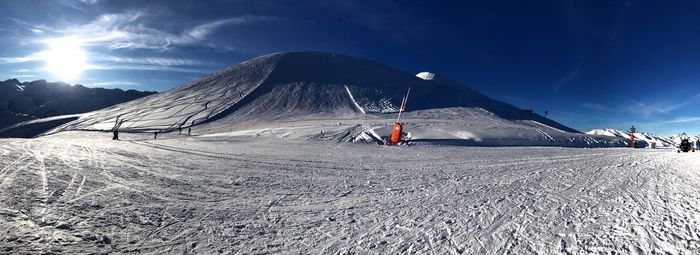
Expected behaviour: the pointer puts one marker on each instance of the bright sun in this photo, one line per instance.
(65, 58)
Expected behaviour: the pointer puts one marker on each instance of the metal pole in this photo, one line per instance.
(403, 104)
(400, 109)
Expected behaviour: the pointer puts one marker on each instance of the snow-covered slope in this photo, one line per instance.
(479, 127)
(21, 101)
(314, 95)
(292, 85)
(649, 138)
(444, 126)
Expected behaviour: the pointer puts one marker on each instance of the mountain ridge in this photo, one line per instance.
(660, 141)
(22, 101)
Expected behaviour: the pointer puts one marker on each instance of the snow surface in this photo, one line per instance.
(447, 126)
(80, 192)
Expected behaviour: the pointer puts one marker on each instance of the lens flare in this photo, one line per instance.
(65, 58)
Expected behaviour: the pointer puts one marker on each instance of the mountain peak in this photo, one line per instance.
(20, 101)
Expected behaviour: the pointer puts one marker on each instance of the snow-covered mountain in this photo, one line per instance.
(291, 85)
(293, 94)
(649, 138)
(21, 101)
(676, 138)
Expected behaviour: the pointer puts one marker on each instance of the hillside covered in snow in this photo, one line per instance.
(325, 96)
(22, 101)
(290, 85)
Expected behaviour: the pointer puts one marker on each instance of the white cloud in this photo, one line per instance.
(20, 76)
(160, 61)
(29, 58)
(570, 76)
(151, 68)
(114, 83)
(679, 120)
(105, 36)
(595, 107)
(104, 62)
(661, 107)
(130, 30)
(200, 32)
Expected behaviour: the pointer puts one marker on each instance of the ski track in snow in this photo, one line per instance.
(353, 100)
(546, 135)
(74, 193)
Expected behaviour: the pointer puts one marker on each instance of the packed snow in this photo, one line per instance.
(79, 192)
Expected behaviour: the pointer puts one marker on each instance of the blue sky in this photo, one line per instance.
(591, 64)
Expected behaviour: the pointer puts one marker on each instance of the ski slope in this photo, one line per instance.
(446, 126)
(79, 192)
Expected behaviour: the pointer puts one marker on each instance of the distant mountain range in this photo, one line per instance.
(660, 141)
(22, 101)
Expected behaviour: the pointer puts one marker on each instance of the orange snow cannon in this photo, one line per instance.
(632, 141)
(395, 137)
(396, 133)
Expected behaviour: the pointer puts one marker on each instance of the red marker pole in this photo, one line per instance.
(632, 139)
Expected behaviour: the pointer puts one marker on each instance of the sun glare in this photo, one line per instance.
(65, 58)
